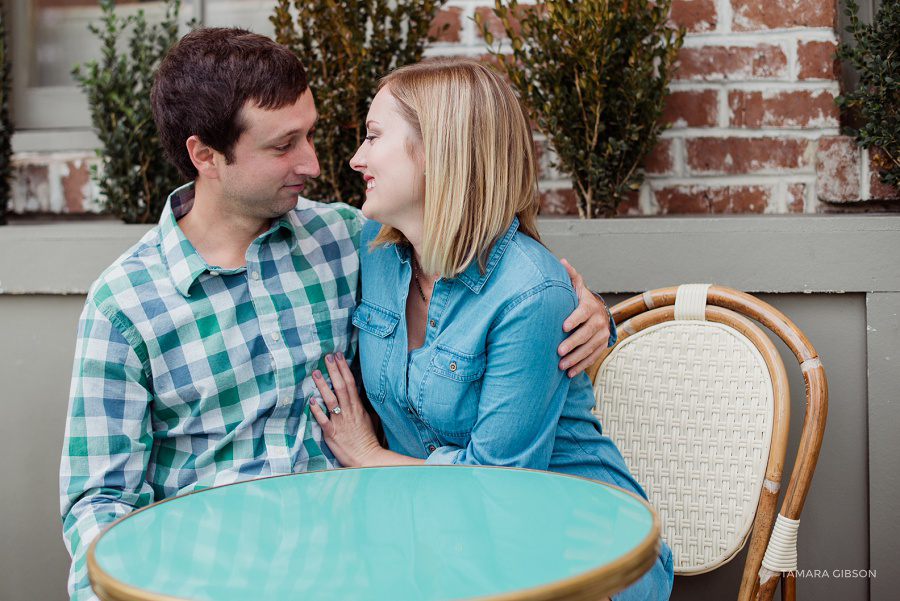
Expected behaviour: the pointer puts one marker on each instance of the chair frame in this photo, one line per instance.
(757, 581)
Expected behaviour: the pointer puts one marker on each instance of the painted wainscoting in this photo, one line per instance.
(836, 277)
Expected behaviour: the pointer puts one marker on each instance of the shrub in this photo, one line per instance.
(135, 178)
(346, 46)
(875, 104)
(594, 74)
(6, 126)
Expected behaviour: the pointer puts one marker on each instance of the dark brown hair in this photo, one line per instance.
(205, 80)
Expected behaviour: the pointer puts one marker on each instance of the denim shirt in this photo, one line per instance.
(485, 388)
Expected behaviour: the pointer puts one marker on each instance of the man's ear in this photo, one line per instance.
(203, 157)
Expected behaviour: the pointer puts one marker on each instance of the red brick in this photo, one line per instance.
(696, 16)
(741, 63)
(817, 60)
(712, 199)
(660, 161)
(692, 108)
(451, 18)
(796, 195)
(798, 109)
(755, 15)
(878, 161)
(744, 155)
(629, 206)
(73, 185)
(495, 26)
(558, 202)
(837, 169)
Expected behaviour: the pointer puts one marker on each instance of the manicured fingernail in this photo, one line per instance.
(329, 358)
(339, 355)
(317, 374)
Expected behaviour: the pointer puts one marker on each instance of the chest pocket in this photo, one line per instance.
(448, 400)
(377, 327)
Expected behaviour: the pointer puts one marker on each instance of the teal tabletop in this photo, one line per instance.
(417, 533)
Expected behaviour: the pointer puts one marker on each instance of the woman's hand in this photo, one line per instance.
(589, 327)
(347, 426)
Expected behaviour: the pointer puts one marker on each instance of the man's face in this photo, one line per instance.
(271, 160)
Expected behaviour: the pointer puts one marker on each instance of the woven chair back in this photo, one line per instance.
(691, 404)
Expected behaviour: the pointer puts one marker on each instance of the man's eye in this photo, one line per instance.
(282, 148)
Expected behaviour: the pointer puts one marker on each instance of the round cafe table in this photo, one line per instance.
(416, 533)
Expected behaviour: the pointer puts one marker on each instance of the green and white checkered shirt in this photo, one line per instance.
(189, 376)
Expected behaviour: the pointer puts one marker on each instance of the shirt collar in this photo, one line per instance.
(472, 276)
(184, 262)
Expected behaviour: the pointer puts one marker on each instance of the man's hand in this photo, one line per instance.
(589, 327)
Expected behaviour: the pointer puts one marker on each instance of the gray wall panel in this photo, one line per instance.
(40, 265)
(884, 441)
(36, 353)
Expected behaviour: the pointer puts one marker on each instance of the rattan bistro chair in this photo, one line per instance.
(696, 397)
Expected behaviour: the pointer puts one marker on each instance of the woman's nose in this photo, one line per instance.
(358, 160)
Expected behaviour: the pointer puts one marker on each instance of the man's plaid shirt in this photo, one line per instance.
(188, 376)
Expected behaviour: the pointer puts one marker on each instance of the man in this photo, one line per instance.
(196, 347)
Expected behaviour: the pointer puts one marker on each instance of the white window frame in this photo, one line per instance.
(56, 118)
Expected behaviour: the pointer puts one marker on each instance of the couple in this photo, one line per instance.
(201, 349)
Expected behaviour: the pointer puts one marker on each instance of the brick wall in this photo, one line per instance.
(754, 126)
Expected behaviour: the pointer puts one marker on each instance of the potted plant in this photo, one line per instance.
(135, 177)
(594, 74)
(6, 126)
(875, 103)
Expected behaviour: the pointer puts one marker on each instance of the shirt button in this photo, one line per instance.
(280, 452)
(453, 366)
(254, 275)
(275, 336)
(432, 323)
(285, 401)
(213, 273)
(431, 449)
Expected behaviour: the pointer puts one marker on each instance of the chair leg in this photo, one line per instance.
(788, 586)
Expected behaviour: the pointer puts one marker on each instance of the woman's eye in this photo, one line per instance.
(370, 138)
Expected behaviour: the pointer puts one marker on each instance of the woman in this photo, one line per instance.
(461, 304)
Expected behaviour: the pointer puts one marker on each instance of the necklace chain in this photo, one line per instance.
(416, 277)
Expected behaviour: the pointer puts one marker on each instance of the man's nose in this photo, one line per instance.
(307, 163)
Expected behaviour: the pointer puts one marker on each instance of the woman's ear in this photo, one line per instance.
(203, 157)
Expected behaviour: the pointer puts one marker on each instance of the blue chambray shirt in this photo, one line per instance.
(485, 388)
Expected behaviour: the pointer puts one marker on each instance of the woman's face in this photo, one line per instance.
(395, 181)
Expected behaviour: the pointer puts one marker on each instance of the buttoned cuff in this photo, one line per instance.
(613, 335)
(446, 455)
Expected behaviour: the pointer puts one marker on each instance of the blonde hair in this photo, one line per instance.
(479, 160)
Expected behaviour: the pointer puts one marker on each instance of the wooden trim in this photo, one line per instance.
(588, 586)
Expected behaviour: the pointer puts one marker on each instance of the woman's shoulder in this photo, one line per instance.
(528, 261)
(527, 271)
